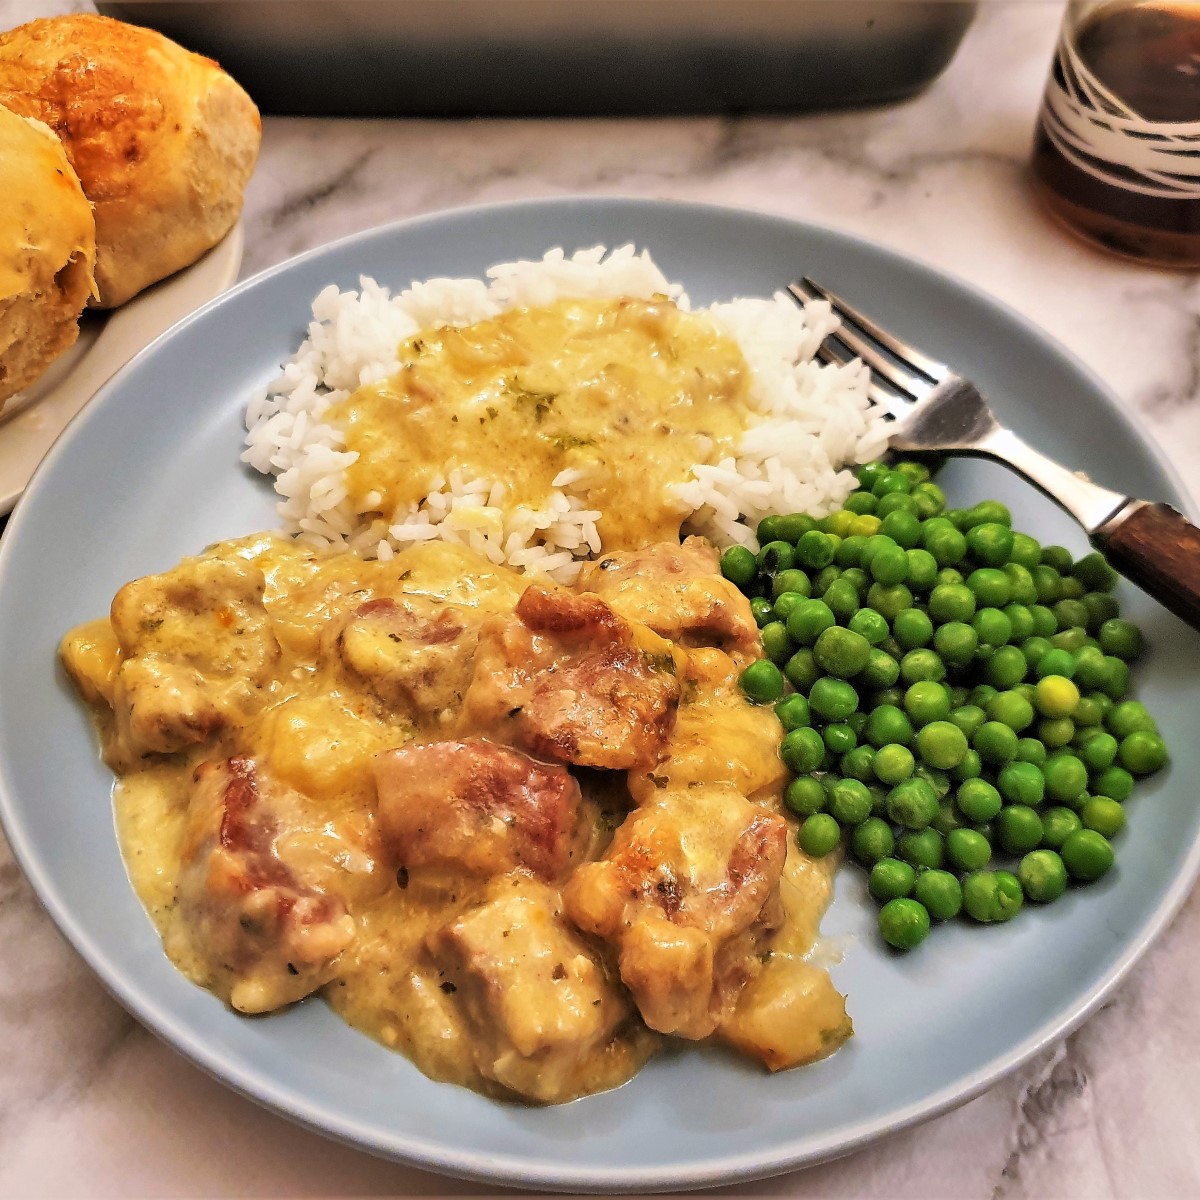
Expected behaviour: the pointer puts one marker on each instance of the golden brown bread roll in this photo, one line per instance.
(163, 140)
(47, 251)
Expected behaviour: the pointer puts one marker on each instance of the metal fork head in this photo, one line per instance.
(931, 407)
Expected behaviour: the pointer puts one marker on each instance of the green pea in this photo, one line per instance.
(1103, 815)
(1018, 828)
(996, 743)
(775, 557)
(903, 923)
(968, 849)
(774, 527)
(904, 528)
(890, 879)
(951, 602)
(982, 694)
(1066, 778)
(950, 577)
(1093, 571)
(1045, 624)
(1020, 582)
(861, 502)
(990, 543)
(971, 767)
(872, 841)
(739, 566)
(819, 835)
(762, 682)
(859, 763)
(968, 717)
(923, 849)
(1100, 608)
(891, 481)
(1055, 695)
(990, 587)
(833, 699)
(893, 764)
(1012, 709)
(825, 578)
(929, 498)
(1025, 550)
(1056, 662)
(1088, 714)
(805, 796)
(922, 570)
(989, 511)
(808, 620)
(926, 701)
(990, 896)
(886, 723)
(912, 629)
(881, 671)
(1056, 731)
(1058, 824)
(1030, 750)
(1006, 668)
(1043, 876)
(893, 697)
(1048, 583)
(956, 642)
(801, 670)
(1114, 782)
(1022, 783)
(802, 750)
(838, 522)
(791, 582)
(762, 611)
(941, 744)
(919, 665)
(1071, 613)
(944, 542)
(849, 802)
(992, 627)
(1087, 855)
(857, 580)
(1129, 717)
(869, 624)
(937, 779)
(869, 472)
(889, 601)
(1099, 752)
(948, 818)
(776, 644)
(839, 738)
(1120, 638)
(912, 804)
(940, 892)
(1142, 752)
(1117, 682)
(1020, 620)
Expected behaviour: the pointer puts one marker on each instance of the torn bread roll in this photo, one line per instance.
(163, 140)
(47, 251)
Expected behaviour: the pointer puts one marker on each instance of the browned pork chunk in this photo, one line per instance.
(679, 592)
(569, 680)
(197, 653)
(412, 653)
(685, 892)
(250, 902)
(537, 1001)
(478, 808)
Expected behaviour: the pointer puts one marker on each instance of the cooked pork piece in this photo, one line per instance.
(478, 808)
(252, 910)
(414, 654)
(679, 592)
(685, 892)
(197, 653)
(567, 679)
(537, 1001)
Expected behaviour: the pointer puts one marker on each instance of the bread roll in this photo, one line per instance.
(47, 251)
(163, 140)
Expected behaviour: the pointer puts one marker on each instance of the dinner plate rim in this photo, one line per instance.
(259, 1085)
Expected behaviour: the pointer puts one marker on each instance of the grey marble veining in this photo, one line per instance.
(91, 1104)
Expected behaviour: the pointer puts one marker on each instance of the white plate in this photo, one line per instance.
(32, 419)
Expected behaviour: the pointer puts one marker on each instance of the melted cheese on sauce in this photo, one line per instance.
(634, 392)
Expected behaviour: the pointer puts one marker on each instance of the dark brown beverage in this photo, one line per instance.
(1117, 153)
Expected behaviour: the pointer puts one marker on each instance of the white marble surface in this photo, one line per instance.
(92, 1105)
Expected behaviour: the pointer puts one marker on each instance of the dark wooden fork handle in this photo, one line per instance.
(1157, 548)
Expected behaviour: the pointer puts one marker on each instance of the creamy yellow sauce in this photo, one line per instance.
(247, 697)
(634, 392)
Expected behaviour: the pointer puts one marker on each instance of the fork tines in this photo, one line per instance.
(908, 373)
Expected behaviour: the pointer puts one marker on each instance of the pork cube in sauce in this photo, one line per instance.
(255, 914)
(685, 893)
(538, 1002)
(679, 592)
(569, 680)
(412, 653)
(197, 650)
(478, 808)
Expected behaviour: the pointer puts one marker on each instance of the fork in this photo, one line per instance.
(933, 409)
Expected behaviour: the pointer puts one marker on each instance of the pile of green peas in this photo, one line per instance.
(952, 693)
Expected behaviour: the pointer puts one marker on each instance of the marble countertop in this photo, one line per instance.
(93, 1105)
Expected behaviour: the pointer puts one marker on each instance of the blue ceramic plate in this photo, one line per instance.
(149, 472)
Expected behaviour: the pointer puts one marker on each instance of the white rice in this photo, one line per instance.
(813, 420)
